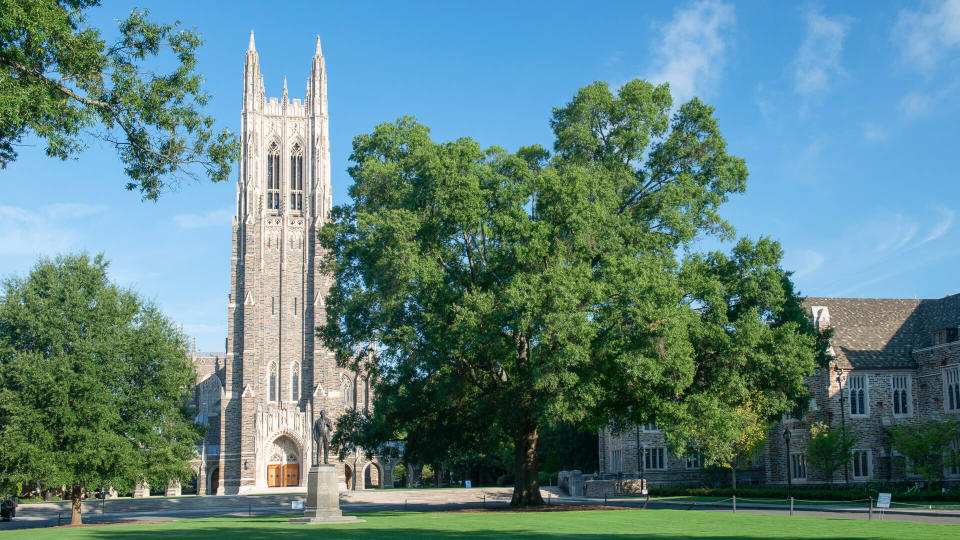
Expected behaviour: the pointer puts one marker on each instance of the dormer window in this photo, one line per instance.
(273, 177)
(296, 178)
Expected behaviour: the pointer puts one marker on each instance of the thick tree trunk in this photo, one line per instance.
(76, 497)
(526, 485)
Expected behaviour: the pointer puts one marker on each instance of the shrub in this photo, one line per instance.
(547, 479)
(505, 480)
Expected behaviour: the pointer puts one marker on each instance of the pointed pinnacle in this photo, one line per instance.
(318, 51)
(251, 47)
(284, 83)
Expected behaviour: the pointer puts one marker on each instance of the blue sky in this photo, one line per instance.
(847, 115)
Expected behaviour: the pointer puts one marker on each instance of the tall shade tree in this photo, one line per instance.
(512, 291)
(93, 384)
(62, 83)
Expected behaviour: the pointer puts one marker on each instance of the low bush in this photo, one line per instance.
(505, 480)
(547, 479)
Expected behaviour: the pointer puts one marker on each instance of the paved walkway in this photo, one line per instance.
(168, 509)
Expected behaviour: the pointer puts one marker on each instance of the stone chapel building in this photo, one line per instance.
(893, 361)
(259, 399)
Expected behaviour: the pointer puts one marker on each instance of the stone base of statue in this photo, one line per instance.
(323, 498)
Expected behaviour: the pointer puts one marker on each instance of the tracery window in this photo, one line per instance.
(273, 177)
(798, 466)
(345, 389)
(951, 382)
(858, 395)
(273, 382)
(693, 460)
(296, 178)
(901, 394)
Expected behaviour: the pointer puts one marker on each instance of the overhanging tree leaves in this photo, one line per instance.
(928, 444)
(60, 81)
(510, 291)
(93, 382)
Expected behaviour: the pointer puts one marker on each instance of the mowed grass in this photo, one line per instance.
(529, 525)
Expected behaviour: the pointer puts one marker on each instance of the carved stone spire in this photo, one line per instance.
(318, 51)
(252, 46)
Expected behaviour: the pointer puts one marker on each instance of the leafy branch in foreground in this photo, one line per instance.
(60, 81)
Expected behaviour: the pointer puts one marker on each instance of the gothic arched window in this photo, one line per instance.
(345, 389)
(273, 382)
(295, 382)
(273, 177)
(296, 178)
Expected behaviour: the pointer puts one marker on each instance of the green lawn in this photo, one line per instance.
(530, 525)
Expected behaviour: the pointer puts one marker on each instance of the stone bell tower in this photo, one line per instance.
(276, 372)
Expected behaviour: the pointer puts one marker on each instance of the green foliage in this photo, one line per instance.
(830, 448)
(512, 291)
(927, 443)
(59, 81)
(505, 480)
(93, 383)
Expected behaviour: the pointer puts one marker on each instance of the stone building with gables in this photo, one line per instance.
(893, 361)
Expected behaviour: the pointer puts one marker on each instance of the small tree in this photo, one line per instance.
(93, 383)
(927, 444)
(830, 448)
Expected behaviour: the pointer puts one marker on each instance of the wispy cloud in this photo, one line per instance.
(874, 132)
(929, 34)
(213, 218)
(803, 262)
(692, 49)
(943, 225)
(915, 104)
(44, 231)
(818, 60)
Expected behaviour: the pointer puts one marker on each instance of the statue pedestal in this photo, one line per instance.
(323, 498)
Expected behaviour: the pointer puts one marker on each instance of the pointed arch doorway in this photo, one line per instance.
(283, 468)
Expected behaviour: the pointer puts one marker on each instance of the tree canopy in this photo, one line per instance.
(93, 384)
(509, 291)
(61, 82)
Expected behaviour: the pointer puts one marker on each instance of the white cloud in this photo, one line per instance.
(929, 34)
(804, 262)
(818, 60)
(915, 104)
(943, 225)
(691, 51)
(213, 218)
(891, 233)
(874, 132)
(41, 231)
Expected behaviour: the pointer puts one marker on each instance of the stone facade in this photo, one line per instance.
(260, 398)
(893, 361)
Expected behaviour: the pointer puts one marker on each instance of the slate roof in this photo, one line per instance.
(881, 333)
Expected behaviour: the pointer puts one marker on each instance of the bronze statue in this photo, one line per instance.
(321, 435)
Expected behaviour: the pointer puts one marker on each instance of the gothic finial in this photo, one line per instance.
(318, 52)
(251, 47)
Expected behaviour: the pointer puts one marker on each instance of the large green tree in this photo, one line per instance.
(93, 381)
(62, 82)
(515, 290)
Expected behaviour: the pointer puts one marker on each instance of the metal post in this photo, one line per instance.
(843, 422)
(734, 504)
(791, 506)
(870, 516)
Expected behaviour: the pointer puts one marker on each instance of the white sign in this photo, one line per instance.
(643, 491)
(883, 500)
(467, 483)
(296, 505)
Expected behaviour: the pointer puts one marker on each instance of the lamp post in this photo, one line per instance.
(843, 419)
(786, 438)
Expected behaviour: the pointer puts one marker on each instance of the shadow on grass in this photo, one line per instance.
(378, 529)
